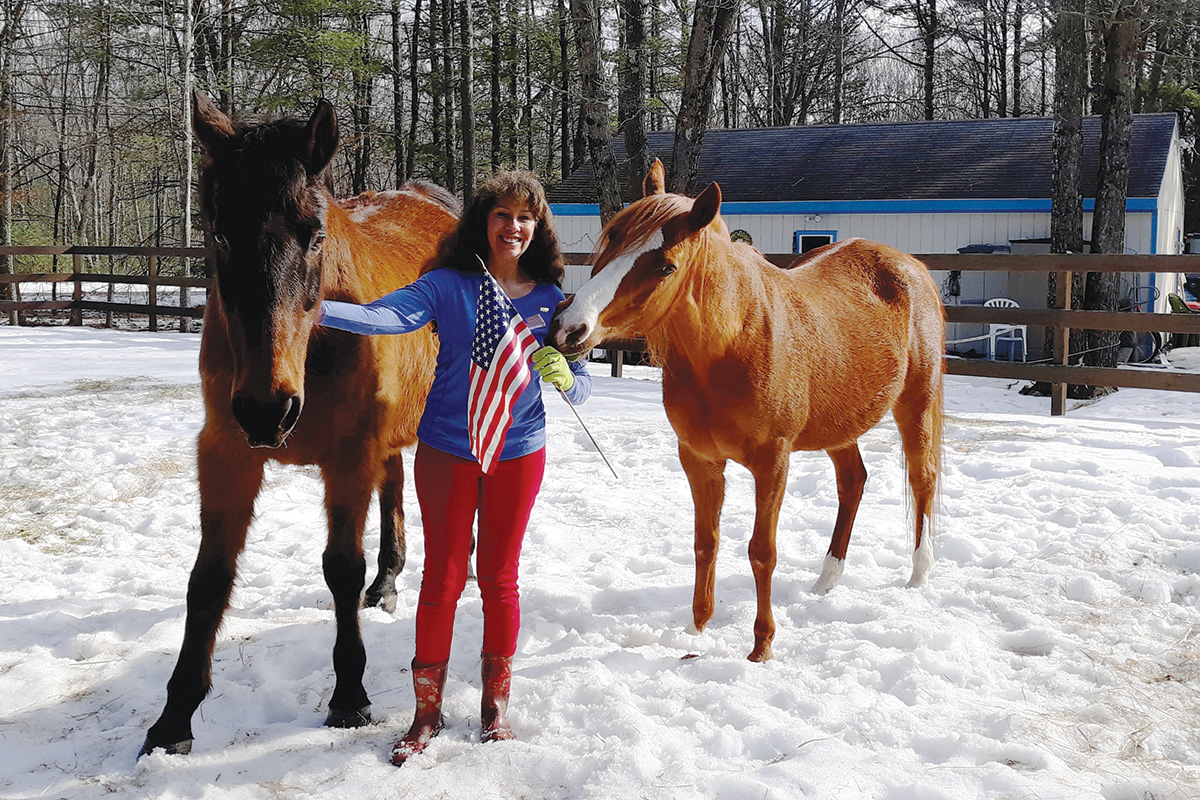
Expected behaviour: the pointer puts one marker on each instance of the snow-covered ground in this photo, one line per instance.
(1053, 654)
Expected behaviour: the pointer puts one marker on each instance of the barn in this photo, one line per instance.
(922, 187)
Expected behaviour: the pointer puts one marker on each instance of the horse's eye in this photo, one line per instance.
(314, 243)
(220, 241)
(668, 268)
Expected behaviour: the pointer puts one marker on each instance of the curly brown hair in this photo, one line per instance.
(468, 243)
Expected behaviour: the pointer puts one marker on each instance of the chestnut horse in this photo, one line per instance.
(759, 362)
(278, 387)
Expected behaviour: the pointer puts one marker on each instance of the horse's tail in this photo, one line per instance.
(921, 419)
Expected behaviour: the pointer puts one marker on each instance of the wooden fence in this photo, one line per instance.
(1057, 371)
(77, 277)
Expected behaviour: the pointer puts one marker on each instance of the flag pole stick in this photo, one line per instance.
(589, 433)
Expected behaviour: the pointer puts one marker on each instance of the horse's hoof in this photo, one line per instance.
(831, 573)
(354, 718)
(761, 653)
(181, 748)
(386, 601)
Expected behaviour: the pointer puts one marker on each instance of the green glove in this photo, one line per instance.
(553, 367)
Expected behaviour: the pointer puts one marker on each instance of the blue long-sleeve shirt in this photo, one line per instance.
(449, 297)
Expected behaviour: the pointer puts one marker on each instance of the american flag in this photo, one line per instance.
(499, 370)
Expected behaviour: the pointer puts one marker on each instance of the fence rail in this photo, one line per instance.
(1061, 319)
(77, 277)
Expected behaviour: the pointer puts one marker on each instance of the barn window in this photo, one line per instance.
(803, 241)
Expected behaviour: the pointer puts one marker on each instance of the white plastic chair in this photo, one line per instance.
(1005, 332)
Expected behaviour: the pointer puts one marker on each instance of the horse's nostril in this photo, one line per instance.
(266, 422)
(577, 334)
(292, 405)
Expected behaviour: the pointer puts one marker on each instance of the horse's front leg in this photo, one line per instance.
(392, 547)
(770, 470)
(348, 488)
(707, 481)
(230, 477)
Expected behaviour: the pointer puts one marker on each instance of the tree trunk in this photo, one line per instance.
(927, 22)
(585, 14)
(13, 14)
(466, 82)
(839, 58)
(631, 101)
(398, 159)
(227, 35)
(448, 8)
(497, 55)
(1017, 46)
(360, 109)
(510, 150)
(706, 49)
(1066, 204)
(564, 91)
(414, 95)
(438, 168)
(1112, 180)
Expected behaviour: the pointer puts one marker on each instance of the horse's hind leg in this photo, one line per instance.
(707, 481)
(229, 482)
(851, 478)
(382, 591)
(918, 414)
(348, 488)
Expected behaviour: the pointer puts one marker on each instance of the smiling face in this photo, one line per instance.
(510, 228)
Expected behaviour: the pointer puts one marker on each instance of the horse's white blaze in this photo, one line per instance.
(831, 573)
(595, 295)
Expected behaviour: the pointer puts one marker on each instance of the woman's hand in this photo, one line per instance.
(553, 368)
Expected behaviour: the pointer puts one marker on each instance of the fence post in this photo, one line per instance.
(77, 294)
(152, 285)
(1062, 342)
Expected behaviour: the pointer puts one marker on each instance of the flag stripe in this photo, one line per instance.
(499, 371)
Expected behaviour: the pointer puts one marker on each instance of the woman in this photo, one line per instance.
(507, 226)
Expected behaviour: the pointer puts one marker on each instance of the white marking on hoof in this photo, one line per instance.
(922, 562)
(693, 630)
(831, 573)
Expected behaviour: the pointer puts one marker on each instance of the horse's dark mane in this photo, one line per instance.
(267, 156)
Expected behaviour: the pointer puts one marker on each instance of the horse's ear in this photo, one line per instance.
(655, 181)
(321, 137)
(210, 124)
(705, 209)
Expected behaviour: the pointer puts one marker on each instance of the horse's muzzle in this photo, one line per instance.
(266, 423)
(568, 340)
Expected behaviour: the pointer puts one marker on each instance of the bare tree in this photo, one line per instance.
(706, 49)
(586, 18)
(466, 83)
(631, 99)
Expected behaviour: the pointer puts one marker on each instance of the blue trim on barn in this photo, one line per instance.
(1134, 204)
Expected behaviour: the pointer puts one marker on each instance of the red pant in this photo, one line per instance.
(450, 490)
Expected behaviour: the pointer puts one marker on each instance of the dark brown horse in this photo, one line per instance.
(278, 387)
(759, 362)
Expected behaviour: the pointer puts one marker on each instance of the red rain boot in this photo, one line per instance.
(428, 682)
(497, 681)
